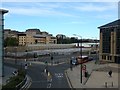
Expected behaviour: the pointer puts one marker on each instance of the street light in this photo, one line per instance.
(52, 59)
(80, 54)
(3, 61)
(26, 54)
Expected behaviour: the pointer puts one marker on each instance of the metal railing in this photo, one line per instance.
(18, 87)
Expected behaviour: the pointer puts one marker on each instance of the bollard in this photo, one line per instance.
(30, 63)
(106, 84)
(25, 60)
(48, 73)
(71, 68)
(112, 84)
(45, 70)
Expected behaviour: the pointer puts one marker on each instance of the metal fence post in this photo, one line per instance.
(112, 84)
(106, 84)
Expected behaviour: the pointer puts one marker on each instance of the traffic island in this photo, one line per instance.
(16, 82)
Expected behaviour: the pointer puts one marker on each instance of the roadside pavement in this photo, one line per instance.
(98, 78)
(75, 75)
(7, 74)
(0, 86)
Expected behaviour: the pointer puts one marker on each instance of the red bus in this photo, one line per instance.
(82, 60)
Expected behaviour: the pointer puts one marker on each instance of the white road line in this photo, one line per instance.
(38, 81)
(67, 79)
(49, 85)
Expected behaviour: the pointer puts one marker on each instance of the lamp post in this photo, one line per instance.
(26, 54)
(80, 56)
(4, 52)
(52, 59)
(3, 61)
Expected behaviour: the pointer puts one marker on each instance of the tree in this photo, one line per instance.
(10, 41)
(67, 40)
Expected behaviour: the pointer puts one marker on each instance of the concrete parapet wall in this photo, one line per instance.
(15, 49)
(49, 46)
(38, 47)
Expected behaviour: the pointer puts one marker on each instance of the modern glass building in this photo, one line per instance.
(110, 42)
(2, 12)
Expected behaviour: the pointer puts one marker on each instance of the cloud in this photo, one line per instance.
(75, 22)
(56, 9)
(96, 7)
(36, 9)
(60, 0)
(106, 16)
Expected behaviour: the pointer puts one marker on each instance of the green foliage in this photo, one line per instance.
(66, 40)
(10, 41)
(13, 81)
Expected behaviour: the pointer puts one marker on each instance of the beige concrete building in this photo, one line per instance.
(25, 39)
(31, 36)
(53, 40)
(22, 39)
(110, 42)
(30, 39)
(40, 39)
(45, 39)
(32, 32)
(34, 36)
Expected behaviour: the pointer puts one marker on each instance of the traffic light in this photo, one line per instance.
(51, 57)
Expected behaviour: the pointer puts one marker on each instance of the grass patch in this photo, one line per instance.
(15, 80)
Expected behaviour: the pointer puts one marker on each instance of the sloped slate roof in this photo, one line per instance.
(21, 34)
(111, 24)
(39, 36)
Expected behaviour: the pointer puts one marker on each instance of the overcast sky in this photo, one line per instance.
(68, 18)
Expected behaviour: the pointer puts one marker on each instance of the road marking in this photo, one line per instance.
(59, 75)
(30, 82)
(49, 85)
(50, 80)
(69, 82)
(38, 81)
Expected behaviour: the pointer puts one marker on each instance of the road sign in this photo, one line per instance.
(51, 57)
(84, 67)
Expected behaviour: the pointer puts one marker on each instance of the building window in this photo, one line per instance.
(118, 41)
(117, 59)
(106, 37)
(110, 58)
(104, 57)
